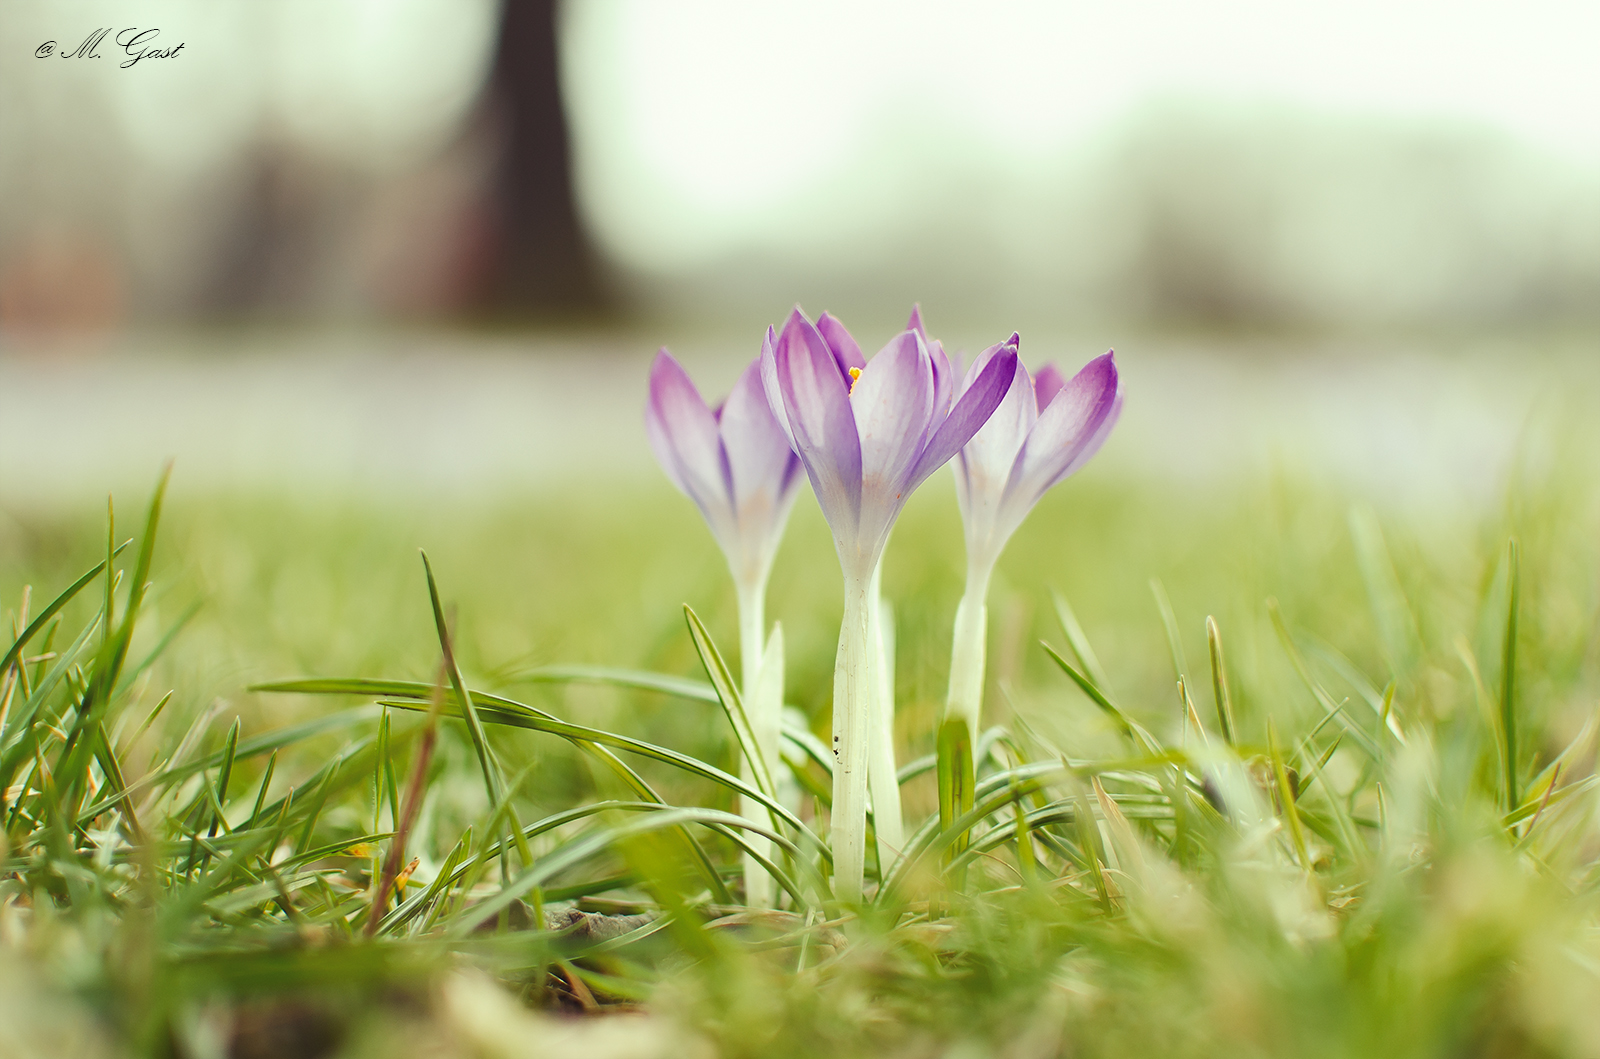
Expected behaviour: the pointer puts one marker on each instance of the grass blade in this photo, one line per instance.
(728, 696)
(1078, 641)
(1135, 732)
(1219, 683)
(636, 679)
(1169, 622)
(27, 635)
(1508, 675)
(469, 713)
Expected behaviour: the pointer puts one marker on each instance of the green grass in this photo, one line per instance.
(1362, 870)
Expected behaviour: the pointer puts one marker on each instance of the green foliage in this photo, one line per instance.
(1379, 837)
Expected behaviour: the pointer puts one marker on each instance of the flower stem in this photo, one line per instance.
(965, 699)
(853, 683)
(964, 703)
(764, 720)
(752, 618)
(886, 813)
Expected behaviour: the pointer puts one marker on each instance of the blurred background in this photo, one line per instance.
(1242, 163)
(361, 198)
(316, 216)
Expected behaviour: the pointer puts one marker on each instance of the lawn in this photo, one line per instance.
(1353, 815)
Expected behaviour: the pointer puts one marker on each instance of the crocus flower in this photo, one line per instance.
(735, 463)
(868, 433)
(1043, 430)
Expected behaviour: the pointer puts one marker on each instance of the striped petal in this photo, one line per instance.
(977, 402)
(762, 468)
(1068, 433)
(816, 401)
(893, 403)
(845, 349)
(684, 436)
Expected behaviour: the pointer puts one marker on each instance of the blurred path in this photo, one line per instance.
(471, 412)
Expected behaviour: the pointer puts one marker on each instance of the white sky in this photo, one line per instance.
(697, 122)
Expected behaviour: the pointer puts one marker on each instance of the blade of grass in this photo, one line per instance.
(1134, 731)
(1169, 621)
(491, 774)
(1078, 641)
(261, 794)
(728, 696)
(640, 680)
(1508, 674)
(15, 651)
(414, 788)
(1286, 797)
(225, 773)
(1219, 683)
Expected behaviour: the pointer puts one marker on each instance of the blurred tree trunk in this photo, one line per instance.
(544, 263)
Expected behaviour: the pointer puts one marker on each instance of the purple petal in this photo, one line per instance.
(893, 402)
(769, 385)
(845, 349)
(989, 456)
(760, 462)
(990, 381)
(1068, 432)
(817, 403)
(1047, 384)
(944, 378)
(683, 434)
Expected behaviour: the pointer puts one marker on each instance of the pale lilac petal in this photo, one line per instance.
(817, 401)
(915, 323)
(1068, 432)
(990, 381)
(683, 434)
(893, 402)
(845, 349)
(760, 462)
(989, 456)
(1047, 383)
(944, 380)
(769, 385)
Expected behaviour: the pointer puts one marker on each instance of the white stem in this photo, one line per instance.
(752, 632)
(853, 679)
(886, 813)
(763, 716)
(965, 699)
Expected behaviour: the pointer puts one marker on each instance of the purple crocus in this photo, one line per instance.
(735, 463)
(1043, 430)
(868, 433)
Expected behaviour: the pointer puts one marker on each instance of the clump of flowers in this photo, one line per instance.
(868, 433)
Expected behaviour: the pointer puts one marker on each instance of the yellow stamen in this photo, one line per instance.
(855, 374)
